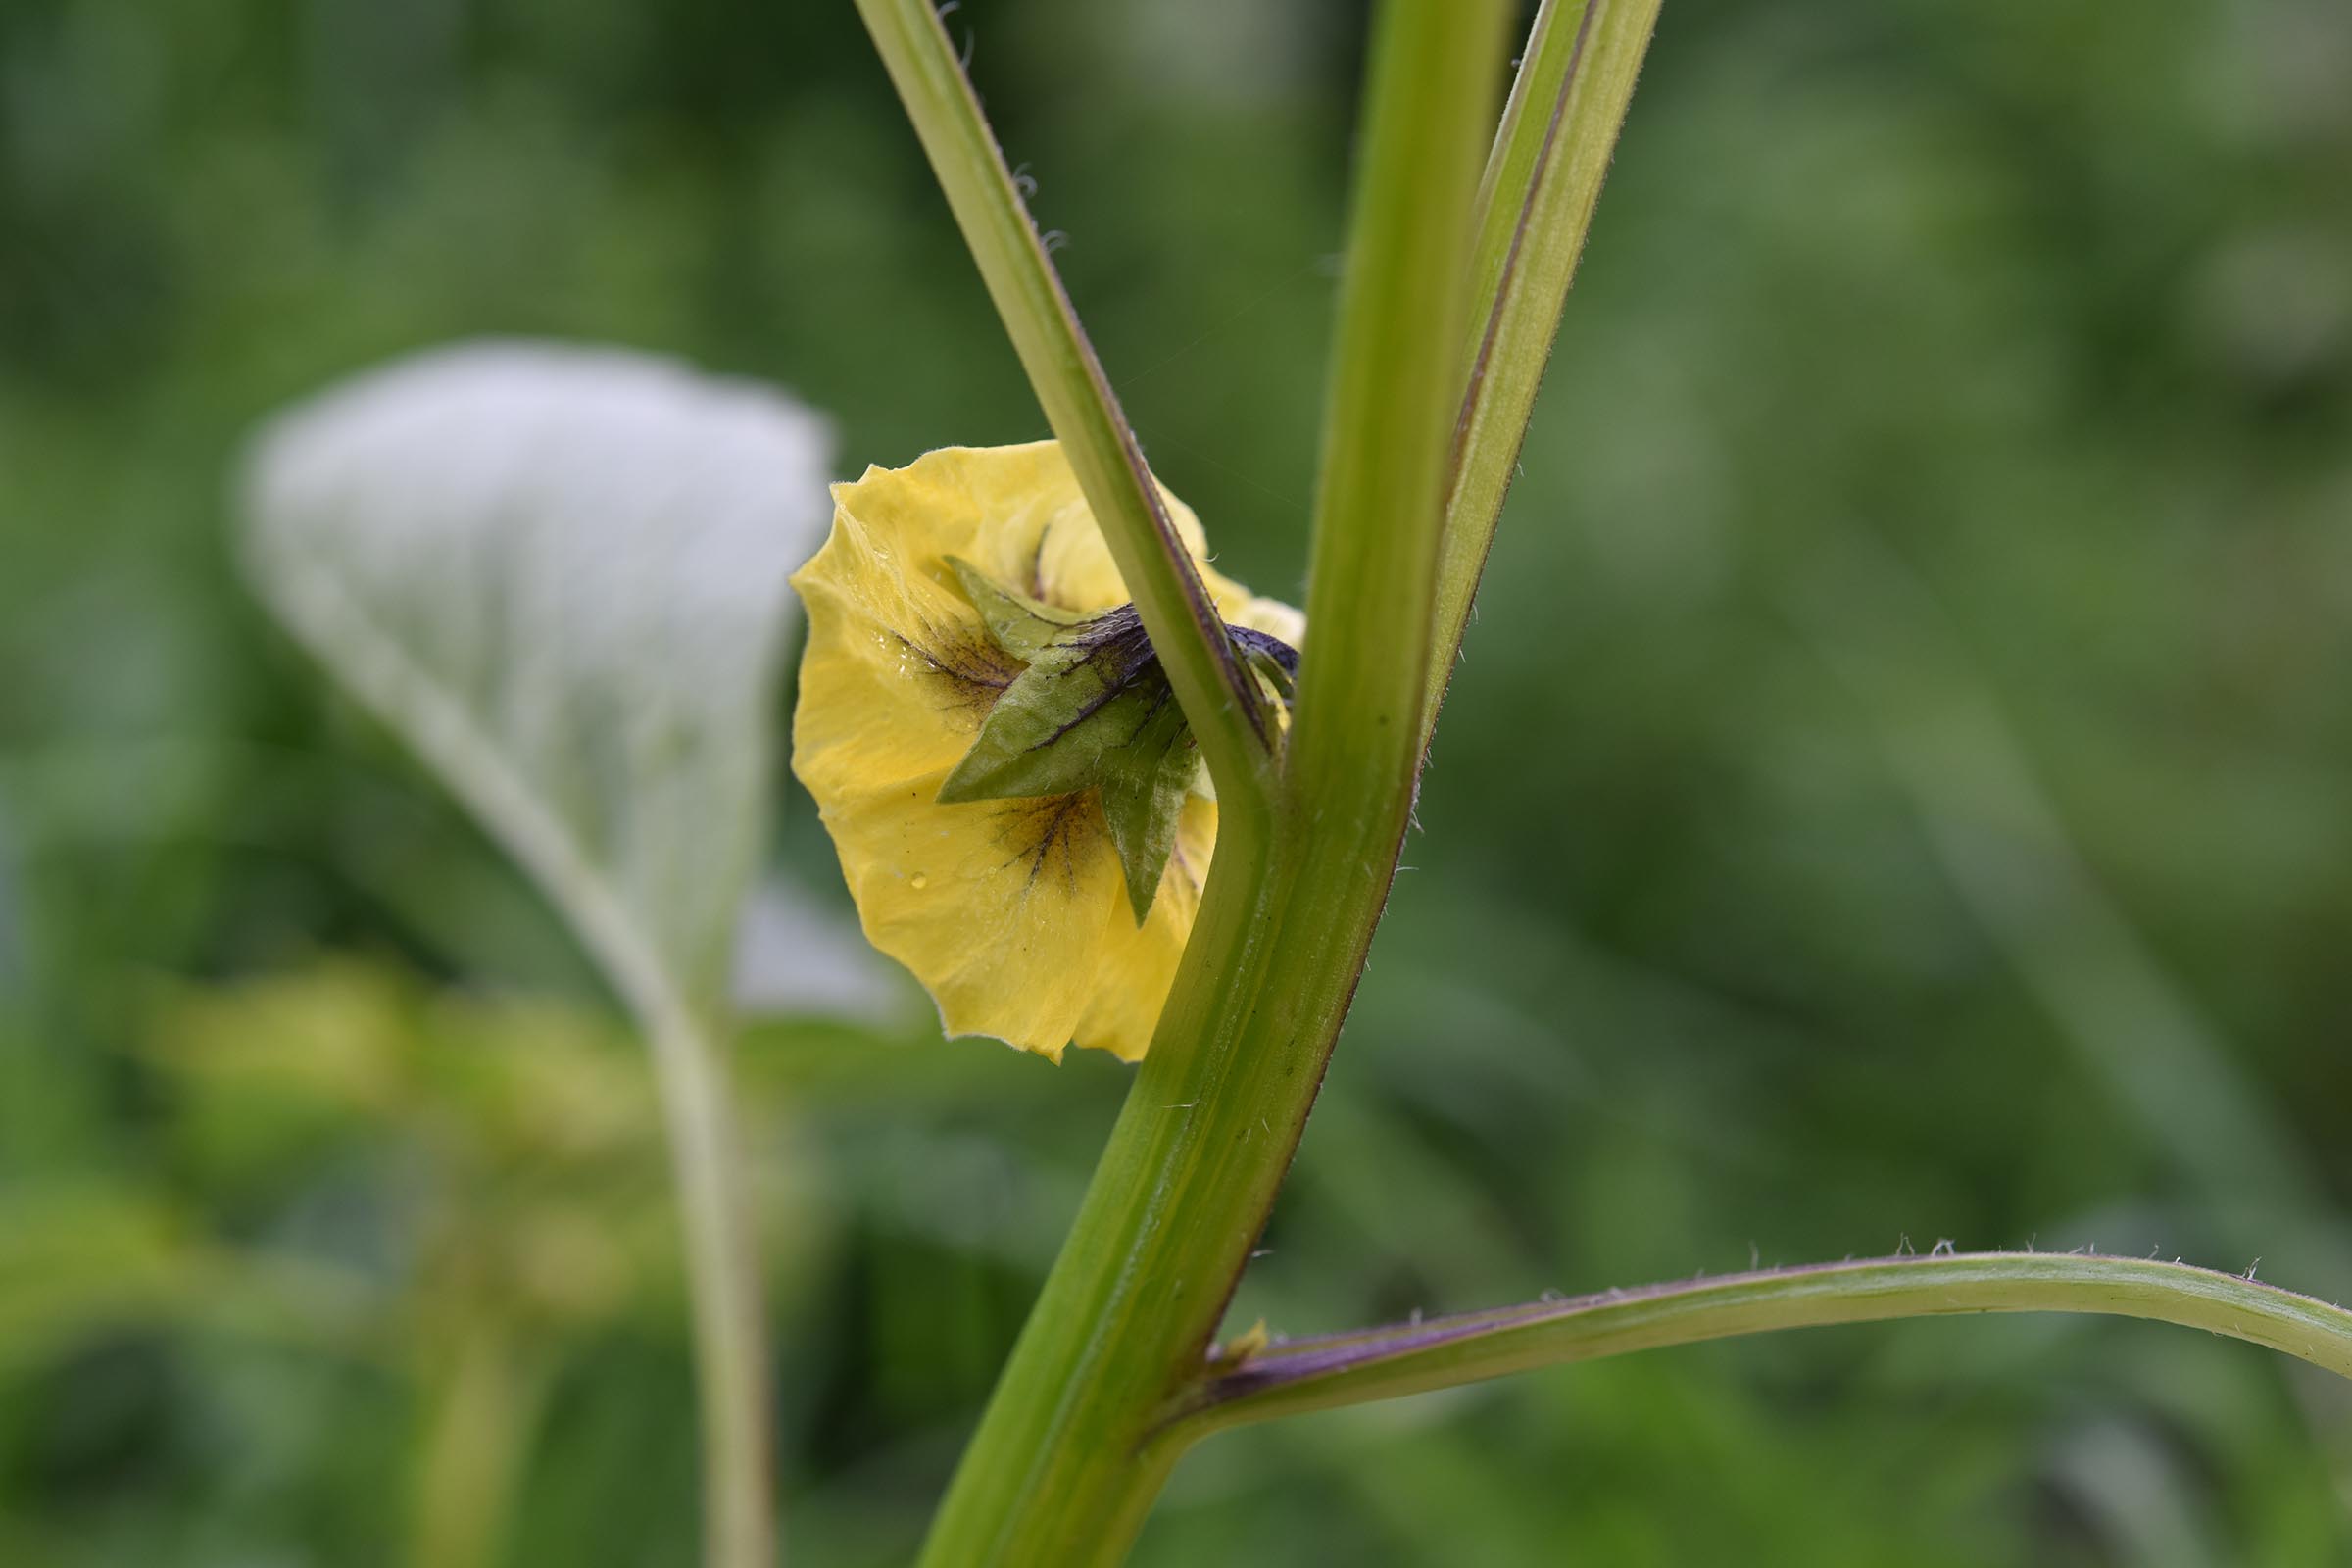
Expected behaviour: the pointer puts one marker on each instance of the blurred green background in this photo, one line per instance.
(1896, 791)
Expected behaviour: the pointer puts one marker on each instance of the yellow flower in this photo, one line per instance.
(1014, 914)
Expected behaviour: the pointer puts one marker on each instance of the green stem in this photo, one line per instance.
(1403, 314)
(1322, 1374)
(1535, 205)
(1220, 699)
(1064, 1465)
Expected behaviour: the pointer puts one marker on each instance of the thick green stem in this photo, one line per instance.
(1535, 204)
(1322, 1374)
(1220, 699)
(1064, 1467)
(1068, 1459)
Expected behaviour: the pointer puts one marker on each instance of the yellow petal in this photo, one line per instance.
(1014, 914)
(1120, 1018)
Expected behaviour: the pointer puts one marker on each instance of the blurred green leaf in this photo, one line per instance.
(475, 1154)
(76, 1257)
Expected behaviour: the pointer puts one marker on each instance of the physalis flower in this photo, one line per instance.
(1019, 810)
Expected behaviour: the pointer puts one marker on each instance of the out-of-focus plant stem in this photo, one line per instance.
(487, 1402)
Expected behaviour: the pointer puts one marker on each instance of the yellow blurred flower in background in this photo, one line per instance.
(943, 584)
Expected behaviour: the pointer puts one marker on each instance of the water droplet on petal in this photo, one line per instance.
(919, 882)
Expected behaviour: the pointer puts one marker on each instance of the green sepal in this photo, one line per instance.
(1021, 625)
(1144, 788)
(1049, 733)
(1277, 683)
(1093, 710)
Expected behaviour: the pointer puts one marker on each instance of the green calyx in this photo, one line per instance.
(1093, 710)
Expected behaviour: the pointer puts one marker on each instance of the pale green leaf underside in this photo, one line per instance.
(560, 574)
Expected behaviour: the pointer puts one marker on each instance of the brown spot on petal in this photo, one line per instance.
(1052, 833)
(968, 671)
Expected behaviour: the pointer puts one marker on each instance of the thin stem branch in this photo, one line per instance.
(1536, 203)
(1322, 1374)
(730, 1319)
(1220, 699)
(1404, 312)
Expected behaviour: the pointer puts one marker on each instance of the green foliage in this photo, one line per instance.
(2048, 301)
